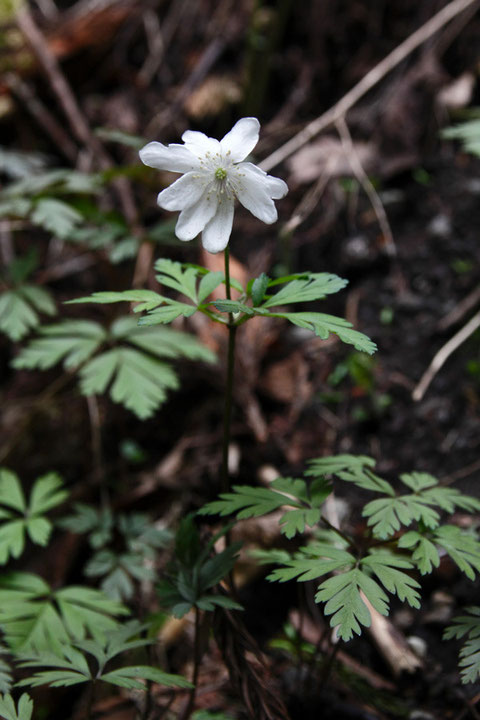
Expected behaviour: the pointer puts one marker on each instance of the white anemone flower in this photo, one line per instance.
(214, 174)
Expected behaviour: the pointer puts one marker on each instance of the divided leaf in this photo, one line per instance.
(132, 371)
(20, 307)
(23, 518)
(23, 711)
(305, 288)
(33, 617)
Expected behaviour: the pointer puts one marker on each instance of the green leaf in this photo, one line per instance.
(425, 554)
(322, 325)
(259, 287)
(386, 566)
(463, 548)
(311, 562)
(467, 625)
(174, 276)
(19, 309)
(146, 299)
(351, 468)
(8, 711)
(387, 515)
(132, 372)
(55, 216)
(344, 602)
(247, 502)
(33, 617)
(208, 284)
(127, 677)
(233, 306)
(313, 286)
(72, 341)
(46, 493)
(167, 313)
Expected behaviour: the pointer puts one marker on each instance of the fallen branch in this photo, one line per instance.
(369, 81)
(443, 354)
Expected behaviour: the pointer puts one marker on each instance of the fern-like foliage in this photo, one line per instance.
(35, 617)
(344, 592)
(68, 665)
(467, 626)
(388, 514)
(19, 518)
(118, 567)
(23, 711)
(469, 135)
(133, 371)
(194, 573)
(305, 501)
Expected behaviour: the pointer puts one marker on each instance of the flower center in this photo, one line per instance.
(220, 173)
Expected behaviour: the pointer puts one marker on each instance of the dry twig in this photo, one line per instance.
(364, 180)
(369, 81)
(443, 354)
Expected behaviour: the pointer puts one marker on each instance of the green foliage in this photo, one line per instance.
(196, 284)
(355, 572)
(246, 501)
(194, 572)
(23, 711)
(70, 667)
(342, 591)
(19, 518)
(469, 657)
(6, 679)
(33, 617)
(21, 302)
(131, 370)
(118, 568)
(386, 515)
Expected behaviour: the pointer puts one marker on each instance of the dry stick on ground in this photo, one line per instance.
(443, 354)
(362, 177)
(72, 111)
(42, 115)
(460, 310)
(369, 81)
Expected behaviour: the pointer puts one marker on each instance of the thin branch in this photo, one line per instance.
(362, 177)
(443, 354)
(369, 81)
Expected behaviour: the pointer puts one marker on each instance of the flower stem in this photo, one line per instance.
(227, 415)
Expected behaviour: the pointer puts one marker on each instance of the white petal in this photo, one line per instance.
(200, 144)
(175, 158)
(241, 139)
(184, 192)
(277, 188)
(252, 189)
(192, 220)
(217, 232)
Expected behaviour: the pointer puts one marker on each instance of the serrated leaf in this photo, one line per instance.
(72, 341)
(46, 493)
(35, 618)
(386, 566)
(126, 677)
(387, 515)
(425, 554)
(208, 284)
(311, 562)
(467, 625)
(322, 325)
(173, 275)
(246, 502)
(462, 548)
(344, 601)
(8, 711)
(19, 309)
(55, 216)
(146, 299)
(314, 286)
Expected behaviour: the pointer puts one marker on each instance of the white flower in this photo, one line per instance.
(214, 175)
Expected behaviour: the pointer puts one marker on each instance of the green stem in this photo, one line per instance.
(227, 415)
(197, 658)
